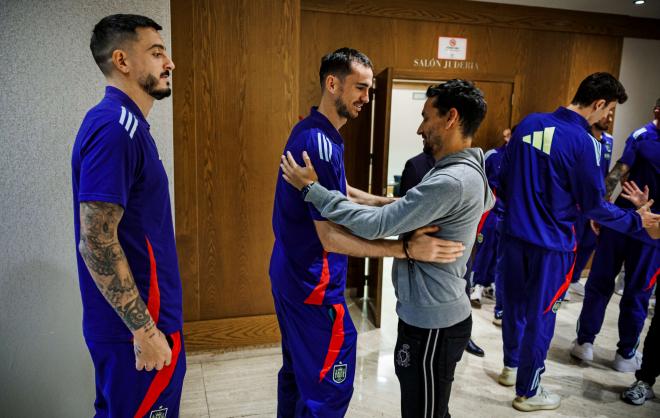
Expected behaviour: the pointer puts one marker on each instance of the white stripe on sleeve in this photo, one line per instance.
(123, 115)
(135, 124)
(128, 121)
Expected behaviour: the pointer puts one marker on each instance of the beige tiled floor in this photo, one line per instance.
(244, 383)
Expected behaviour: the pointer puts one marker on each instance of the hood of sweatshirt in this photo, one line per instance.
(473, 157)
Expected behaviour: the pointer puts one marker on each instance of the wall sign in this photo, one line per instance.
(445, 64)
(451, 48)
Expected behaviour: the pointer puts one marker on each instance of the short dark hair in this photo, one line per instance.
(599, 86)
(111, 32)
(657, 103)
(465, 98)
(338, 63)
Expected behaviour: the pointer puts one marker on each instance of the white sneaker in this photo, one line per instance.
(543, 400)
(629, 365)
(584, 352)
(638, 393)
(475, 296)
(577, 288)
(508, 376)
(619, 283)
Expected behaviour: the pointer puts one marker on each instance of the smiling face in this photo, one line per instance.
(352, 93)
(432, 129)
(149, 65)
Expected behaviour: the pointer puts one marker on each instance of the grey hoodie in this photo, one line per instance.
(453, 195)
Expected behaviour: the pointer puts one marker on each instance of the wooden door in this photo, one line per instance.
(499, 96)
(380, 148)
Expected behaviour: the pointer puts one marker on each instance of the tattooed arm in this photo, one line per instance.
(619, 174)
(105, 259)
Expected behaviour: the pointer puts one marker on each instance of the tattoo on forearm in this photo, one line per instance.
(613, 178)
(107, 263)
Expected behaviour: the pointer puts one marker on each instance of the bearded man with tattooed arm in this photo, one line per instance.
(127, 261)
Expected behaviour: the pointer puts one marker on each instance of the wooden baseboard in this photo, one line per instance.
(222, 334)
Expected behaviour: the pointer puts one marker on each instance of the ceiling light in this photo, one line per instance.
(639, 2)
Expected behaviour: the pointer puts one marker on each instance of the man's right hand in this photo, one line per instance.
(423, 247)
(650, 220)
(151, 348)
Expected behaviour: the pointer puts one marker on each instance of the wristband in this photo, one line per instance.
(405, 250)
(305, 189)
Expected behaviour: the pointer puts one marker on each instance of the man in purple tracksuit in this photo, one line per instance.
(551, 167)
(309, 259)
(127, 259)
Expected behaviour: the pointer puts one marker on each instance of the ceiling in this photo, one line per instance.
(620, 7)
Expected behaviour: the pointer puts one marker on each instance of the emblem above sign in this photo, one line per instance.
(452, 48)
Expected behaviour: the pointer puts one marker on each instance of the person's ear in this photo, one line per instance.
(119, 59)
(452, 118)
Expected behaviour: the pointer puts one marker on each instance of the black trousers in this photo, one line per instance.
(424, 362)
(650, 369)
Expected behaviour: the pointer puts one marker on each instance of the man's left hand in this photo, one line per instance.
(296, 175)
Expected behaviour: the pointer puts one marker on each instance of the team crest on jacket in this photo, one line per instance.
(158, 413)
(480, 238)
(339, 372)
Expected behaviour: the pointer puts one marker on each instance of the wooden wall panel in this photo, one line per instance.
(237, 64)
(185, 161)
(542, 62)
(495, 15)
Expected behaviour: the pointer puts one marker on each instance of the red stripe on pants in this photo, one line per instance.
(567, 282)
(336, 341)
(162, 379)
(653, 280)
(317, 295)
(153, 305)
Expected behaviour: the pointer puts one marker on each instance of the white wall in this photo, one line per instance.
(640, 75)
(406, 114)
(48, 81)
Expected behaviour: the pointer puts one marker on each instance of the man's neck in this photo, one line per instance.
(141, 98)
(328, 109)
(457, 144)
(585, 112)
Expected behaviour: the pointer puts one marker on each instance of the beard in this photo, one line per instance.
(428, 149)
(602, 126)
(150, 85)
(342, 109)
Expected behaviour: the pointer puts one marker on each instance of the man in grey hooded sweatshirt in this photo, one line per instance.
(435, 320)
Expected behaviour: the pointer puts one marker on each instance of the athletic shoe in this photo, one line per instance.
(475, 296)
(627, 365)
(638, 393)
(474, 349)
(497, 321)
(584, 352)
(508, 376)
(543, 400)
(619, 283)
(577, 288)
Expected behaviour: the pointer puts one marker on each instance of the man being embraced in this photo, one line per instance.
(434, 311)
